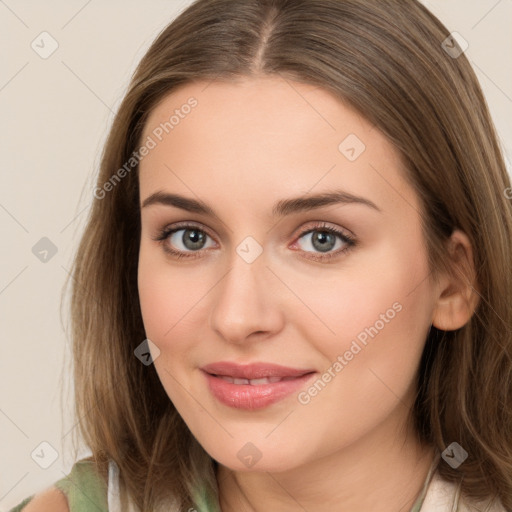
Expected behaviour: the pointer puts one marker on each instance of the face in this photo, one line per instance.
(278, 229)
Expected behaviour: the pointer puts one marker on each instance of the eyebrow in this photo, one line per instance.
(281, 208)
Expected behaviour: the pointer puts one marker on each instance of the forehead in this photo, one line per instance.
(266, 106)
(264, 136)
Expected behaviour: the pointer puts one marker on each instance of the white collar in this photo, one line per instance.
(444, 496)
(114, 503)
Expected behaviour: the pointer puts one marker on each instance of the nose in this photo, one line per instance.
(246, 305)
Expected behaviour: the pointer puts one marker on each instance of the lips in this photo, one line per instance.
(254, 382)
(253, 386)
(253, 371)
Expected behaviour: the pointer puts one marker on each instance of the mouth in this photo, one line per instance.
(253, 371)
(253, 382)
(254, 386)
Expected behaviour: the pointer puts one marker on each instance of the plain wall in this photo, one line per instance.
(55, 114)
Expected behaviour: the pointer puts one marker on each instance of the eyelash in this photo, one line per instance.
(349, 240)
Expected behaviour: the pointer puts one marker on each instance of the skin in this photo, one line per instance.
(245, 146)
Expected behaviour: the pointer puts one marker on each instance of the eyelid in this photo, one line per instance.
(176, 226)
(347, 237)
(166, 231)
(318, 225)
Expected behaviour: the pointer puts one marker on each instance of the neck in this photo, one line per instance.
(383, 475)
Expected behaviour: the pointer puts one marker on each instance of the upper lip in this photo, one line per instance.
(253, 370)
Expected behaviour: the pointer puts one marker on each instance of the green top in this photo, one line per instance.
(83, 487)
(86, 491)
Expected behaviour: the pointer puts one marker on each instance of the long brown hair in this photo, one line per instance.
(385, 58)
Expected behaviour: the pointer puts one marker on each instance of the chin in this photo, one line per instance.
(248, 456)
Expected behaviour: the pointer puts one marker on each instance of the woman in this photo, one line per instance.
(294, 288)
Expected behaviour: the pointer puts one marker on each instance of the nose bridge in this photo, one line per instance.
(247, 263)
(244, 302)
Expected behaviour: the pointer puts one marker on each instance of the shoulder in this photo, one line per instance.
(84, 489)
(50, 500)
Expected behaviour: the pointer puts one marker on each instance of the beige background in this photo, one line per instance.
(55, 113)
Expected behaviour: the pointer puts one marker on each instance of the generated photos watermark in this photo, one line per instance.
(151, 142)
(357, 345)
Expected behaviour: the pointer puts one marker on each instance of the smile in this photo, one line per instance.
(254, 382)
(254, 386)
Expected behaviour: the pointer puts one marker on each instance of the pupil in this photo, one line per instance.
(194, 240)
(323, 241)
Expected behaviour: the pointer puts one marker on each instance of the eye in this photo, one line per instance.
(321, 241)
(324, 241)
(184, 241)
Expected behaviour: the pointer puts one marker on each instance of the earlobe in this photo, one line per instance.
(457, 292)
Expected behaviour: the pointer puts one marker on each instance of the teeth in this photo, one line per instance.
(252, 382)
(257, 382)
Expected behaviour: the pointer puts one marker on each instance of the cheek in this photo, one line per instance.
(380, 313)
(156, 299)
(172, 299)
(159, 299)
(165, 297)
(383, 323)
(382, 292)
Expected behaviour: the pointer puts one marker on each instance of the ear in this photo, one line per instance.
(457, 296)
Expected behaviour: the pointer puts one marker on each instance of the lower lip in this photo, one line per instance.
(248, 397)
